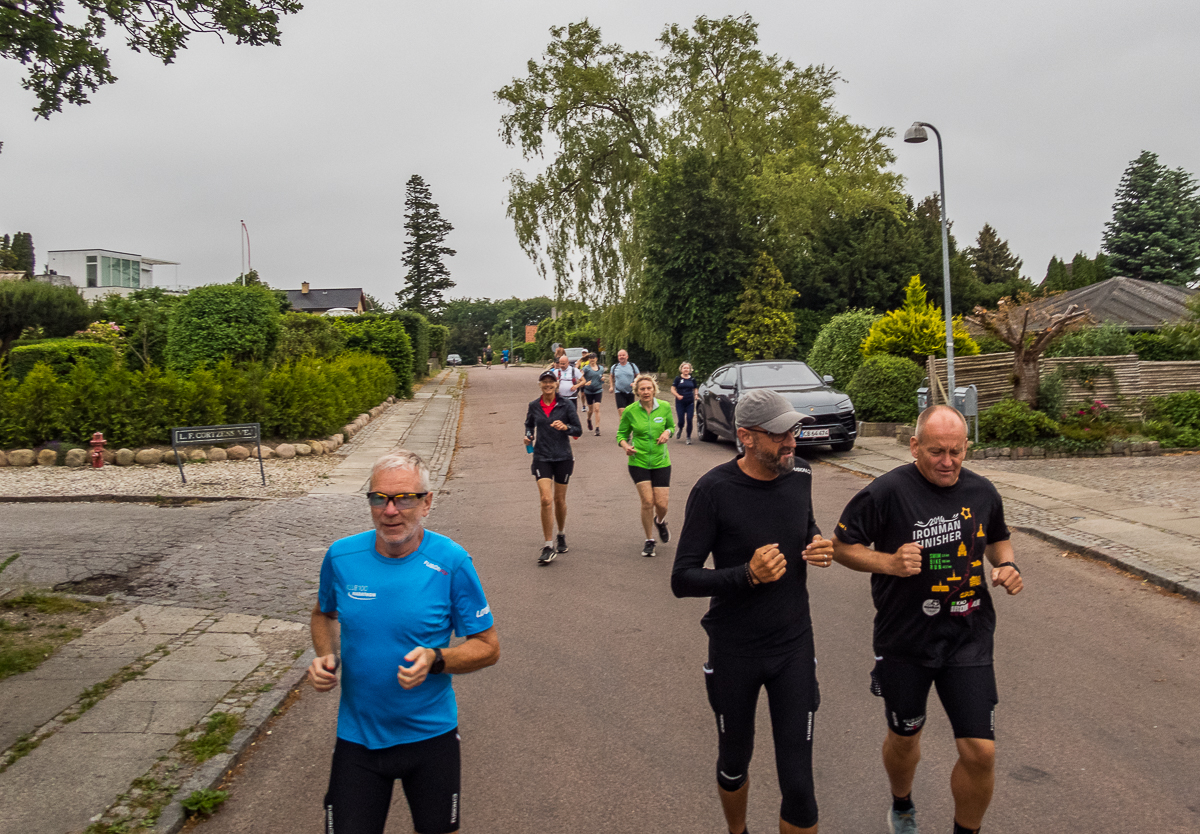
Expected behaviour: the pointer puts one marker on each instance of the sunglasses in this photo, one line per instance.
(402, 500)
(777, 436)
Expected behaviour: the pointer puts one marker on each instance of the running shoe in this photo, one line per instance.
(689, 441)
(561, 545)
(597, 431)
(547, 556)
(589, 422)
(903, 822)
(664, 534)
(648, 550)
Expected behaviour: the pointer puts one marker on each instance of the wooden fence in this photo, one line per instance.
(1128, 382)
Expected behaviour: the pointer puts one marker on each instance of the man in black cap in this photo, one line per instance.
(754, 516)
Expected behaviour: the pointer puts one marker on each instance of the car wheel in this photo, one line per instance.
(702, 428)
(842, 447)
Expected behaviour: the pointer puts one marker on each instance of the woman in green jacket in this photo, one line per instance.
(645, 429)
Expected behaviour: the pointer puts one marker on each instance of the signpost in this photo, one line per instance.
(205, 435)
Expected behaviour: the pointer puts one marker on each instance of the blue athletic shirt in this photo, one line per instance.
(388, 607)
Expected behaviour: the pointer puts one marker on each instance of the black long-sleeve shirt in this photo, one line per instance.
(730, 515)
(548, 443)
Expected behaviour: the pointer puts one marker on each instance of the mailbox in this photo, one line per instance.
(922, 398)
(966, 400)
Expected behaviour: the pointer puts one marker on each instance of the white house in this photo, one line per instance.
(98, 272)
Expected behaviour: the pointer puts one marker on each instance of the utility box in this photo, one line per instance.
(966, 400)
(922, 398)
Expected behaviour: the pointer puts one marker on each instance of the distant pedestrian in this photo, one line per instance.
(487, 355)
(923, 532)
(620, 381)
(593, 392)
(550, 423)
(504, 358)
(395, 594)
(684, 389)
(570, 380)
(643, 434)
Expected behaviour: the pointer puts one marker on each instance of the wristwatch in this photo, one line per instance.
(439, 663)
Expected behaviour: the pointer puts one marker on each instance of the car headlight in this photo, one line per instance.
(845, 405)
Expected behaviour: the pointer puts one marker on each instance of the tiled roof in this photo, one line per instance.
(320, 300)
(1137, 305)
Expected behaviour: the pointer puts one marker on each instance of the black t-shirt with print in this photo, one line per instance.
(943, 616)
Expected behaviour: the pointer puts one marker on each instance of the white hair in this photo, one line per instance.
(402, 459)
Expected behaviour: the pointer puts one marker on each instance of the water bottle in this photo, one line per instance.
(529, 444)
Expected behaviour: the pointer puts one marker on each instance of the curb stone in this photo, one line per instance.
(210, 774)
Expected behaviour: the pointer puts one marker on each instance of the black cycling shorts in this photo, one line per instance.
(968, 694)
(657, 477)
(733, 684)
(559, 470)
(361, 782)
(590, 398)
(624, 400)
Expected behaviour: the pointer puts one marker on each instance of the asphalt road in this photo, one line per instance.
(595, 718)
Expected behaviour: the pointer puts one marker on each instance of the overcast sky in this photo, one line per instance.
(1041, 105)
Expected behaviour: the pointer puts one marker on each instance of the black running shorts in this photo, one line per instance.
(361, 782)
(624, 400)
(559, 470)
(968, 694)
(657, 477)
(590, 398)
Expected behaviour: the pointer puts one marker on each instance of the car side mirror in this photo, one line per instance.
(827, 379)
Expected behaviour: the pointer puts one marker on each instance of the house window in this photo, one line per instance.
(120, 272)
(93, 272)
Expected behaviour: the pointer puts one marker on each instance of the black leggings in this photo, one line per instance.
(361, 781)
(682, 410)
(733, 684)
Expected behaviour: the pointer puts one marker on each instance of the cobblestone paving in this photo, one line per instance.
(1171, 480)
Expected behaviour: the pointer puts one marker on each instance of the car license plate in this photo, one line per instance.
(813, 434)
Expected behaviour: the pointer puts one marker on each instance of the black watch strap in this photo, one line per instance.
(1012, 565)
(439, 663)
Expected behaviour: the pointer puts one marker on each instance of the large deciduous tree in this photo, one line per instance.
(59, 42)
(427, 276)
(1154, 233)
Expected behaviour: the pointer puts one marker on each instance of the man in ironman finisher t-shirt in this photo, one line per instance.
(933, 537)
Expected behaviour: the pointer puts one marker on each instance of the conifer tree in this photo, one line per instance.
(22, 247)
(426, 229)
(991, 260)
(762, 326)
(1057, 278)
(1154, 233)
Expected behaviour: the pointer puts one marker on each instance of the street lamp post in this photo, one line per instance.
(511, 356)
(915, 135)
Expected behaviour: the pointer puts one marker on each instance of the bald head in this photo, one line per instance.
(940, 445)
(944, 417)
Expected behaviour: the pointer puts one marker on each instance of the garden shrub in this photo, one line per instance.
(417, 328)
(86, 406)
(837, 350)
(917, 330)
(884, 389)
(221, 320)
(303, 334)
(386, 338)
(1014, 422)
(39, 405)
(60, 355)
(1105, 340)
(1181, 410)
(439, 334)
(1163, 347)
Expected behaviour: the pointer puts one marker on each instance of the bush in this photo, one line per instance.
(1105, 340)
(221, 320)
(60, 355)
(439, 334)
(417, 328)
(56, 311)
(837, 350)
(1159, 347)
(384, 337)
(1181, 410)
(1014, 422)
(917, 330)
(884, 389)
(303, 334)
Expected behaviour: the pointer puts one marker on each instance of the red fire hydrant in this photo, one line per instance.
(98, 442)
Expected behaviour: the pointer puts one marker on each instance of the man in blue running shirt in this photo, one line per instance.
(395, 594)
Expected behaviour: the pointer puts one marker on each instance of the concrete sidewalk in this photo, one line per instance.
(100, 723)
(1159, 542)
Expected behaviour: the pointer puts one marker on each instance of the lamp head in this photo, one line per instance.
(916, 134)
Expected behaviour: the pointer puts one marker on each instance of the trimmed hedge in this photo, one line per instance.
(417, 328)
(884, 389)
(1014, 422)
(837, 350)
(309, 397)
(219, 320)
(384, 338)
(61, 355)
(439, 334)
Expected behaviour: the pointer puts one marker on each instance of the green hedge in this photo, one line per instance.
(1014, 422)
(219, 320)
(417, 328)
(838, 347)
(439, 334)
(884, 389)
(384, 338)
(309, 397)
(61, 355)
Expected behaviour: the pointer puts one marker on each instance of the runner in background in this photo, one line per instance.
(550, 423)
(645, 428)
(593, 392)
(684, 390)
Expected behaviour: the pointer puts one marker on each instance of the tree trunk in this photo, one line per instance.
(1025, 377)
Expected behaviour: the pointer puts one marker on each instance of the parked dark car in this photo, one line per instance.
(835, 426)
